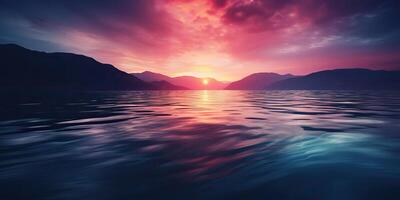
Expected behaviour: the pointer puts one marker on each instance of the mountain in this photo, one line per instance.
(257, 81)
(151, 76)
(189, 82)
(165, 85)
(27, 69)
(342, 79)
(197, 83)
(23, 68)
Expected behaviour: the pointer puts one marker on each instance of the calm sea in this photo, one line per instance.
(280, 145)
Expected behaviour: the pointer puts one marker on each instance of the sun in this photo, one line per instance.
(205, 82)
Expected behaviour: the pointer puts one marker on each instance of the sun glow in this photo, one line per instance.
(205, 82)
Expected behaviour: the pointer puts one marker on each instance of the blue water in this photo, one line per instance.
(200, 145)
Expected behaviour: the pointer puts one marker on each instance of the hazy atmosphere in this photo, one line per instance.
(224, 39)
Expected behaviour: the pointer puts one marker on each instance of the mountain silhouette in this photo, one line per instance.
(257, 81)
(342, 79)
(189, 82)
(165, 85)
(152, 76)
(24, 68)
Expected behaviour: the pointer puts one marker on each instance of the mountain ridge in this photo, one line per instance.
(25, 68)
(257, 81)
(190, 82)
(29, 69)
(342, 79)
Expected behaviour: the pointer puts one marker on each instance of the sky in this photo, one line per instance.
(224, 39)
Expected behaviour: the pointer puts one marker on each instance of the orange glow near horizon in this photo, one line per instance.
(205, 82)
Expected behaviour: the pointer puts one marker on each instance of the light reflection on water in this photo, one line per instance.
(201, 145)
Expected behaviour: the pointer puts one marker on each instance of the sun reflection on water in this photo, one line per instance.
(213, 138)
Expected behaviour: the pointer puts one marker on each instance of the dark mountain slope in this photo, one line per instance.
(342, 79)
(23, 68)
(151, 76)
(257, 81)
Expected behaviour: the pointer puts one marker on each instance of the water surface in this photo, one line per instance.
(200, 145)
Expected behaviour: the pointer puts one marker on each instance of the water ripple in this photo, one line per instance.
(201, 145)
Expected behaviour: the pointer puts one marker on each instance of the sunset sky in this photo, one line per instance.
(225, 39)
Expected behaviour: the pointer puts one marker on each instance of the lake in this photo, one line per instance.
(200, 145)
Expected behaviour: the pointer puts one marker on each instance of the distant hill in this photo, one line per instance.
(151, 76)
(189, 82)
(24, 68)
(342, 79)
(165, 85)
(257, 81)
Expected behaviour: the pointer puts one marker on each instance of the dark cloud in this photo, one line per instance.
(219, 3)
(126, 18)
(97, 16)
(375, 24)
(275, 14)
(139, 27)
(358, 24)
